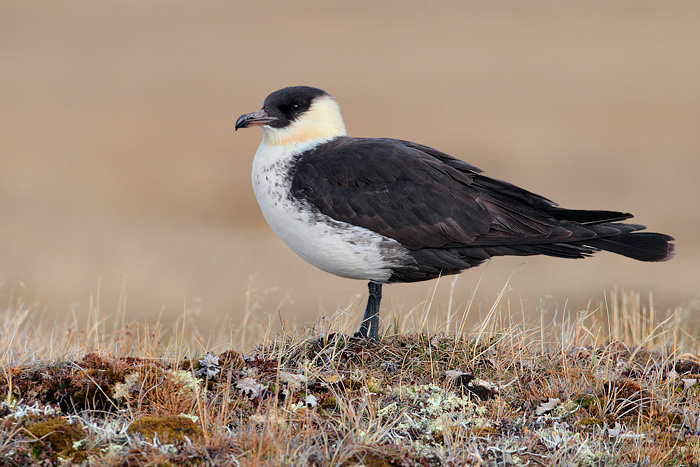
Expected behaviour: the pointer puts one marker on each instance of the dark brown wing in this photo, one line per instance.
(424, 198)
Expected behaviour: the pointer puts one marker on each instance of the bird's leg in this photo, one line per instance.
(375, 292)
(370, 321)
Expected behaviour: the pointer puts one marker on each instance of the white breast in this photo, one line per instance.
(335, 247)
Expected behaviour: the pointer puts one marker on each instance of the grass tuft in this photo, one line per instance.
(614, 384)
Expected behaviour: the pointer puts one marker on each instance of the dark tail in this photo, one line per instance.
(627, 241)
(642, 246)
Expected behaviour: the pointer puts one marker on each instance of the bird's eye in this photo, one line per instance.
(296, 107)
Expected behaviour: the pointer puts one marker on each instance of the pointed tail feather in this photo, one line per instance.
(587, 217)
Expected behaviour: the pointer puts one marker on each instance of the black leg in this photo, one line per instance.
(370, 322)
(375, 290)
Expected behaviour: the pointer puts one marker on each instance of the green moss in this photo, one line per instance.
(168, 428)
(590, 422)
(329, 403)
(55, 436)
(590, 402)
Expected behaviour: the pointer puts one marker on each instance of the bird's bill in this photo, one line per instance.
(259, 118)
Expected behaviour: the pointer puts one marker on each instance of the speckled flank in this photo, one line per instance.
(335, 247)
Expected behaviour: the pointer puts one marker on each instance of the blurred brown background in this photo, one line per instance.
(119, 167)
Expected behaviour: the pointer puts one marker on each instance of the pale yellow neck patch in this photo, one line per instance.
(321, 122)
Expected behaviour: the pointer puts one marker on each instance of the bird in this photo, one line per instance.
(388, 211)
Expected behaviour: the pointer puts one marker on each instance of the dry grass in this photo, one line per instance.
(615, 384)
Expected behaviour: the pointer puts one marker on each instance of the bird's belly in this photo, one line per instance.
(335, 247)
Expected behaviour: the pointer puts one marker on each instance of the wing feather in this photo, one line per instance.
(424, 198)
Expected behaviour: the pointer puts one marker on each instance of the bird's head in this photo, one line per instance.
(297, 115)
